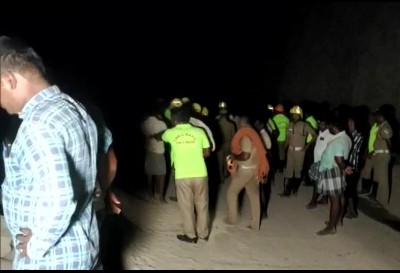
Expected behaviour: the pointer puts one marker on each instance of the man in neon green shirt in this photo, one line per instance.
(277, 126)
(366, 182)
(189, 147)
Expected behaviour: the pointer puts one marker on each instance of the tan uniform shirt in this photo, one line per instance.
(296, 133)
(384, 133)
(227, 129)
(248, 147)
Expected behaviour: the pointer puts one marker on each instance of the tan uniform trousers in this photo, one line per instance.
(244, 178)
(294, 163)
(380, 164)
(192, 193)
(222, 154)
(281, 150)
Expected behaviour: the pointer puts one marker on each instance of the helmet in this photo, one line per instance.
(296, 110)
(222, 105)
(175, 103)
(185, 100)
(204, 111)
(196, 107)
(279, 108)
(270, 107)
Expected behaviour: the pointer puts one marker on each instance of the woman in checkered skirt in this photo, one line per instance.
(332, 170)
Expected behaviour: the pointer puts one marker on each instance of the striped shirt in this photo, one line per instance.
(354, 158)
(50, 181)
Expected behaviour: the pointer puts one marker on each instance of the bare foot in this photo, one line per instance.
(326, 231)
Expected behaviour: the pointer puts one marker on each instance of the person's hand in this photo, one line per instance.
(369, 155)
(23, 240)
(113, 205)
(348, 170)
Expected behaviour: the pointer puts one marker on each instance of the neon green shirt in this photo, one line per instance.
(314, 124)
(372, 137)
(282, 122)
(167, 113)
(187, 144)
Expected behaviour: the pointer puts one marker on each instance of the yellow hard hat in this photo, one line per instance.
(175, 103)
(196, 107)
(279, 108)
(222, 105)
(296, 110)
(204, 111)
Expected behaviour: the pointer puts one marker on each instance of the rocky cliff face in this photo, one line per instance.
(344, 53)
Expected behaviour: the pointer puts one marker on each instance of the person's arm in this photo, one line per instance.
(205, 144)
(310, 131)
(266, 139)
(57, 197)
(246, 147)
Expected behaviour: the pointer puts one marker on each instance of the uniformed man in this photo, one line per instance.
(296, 146)
(228, 130)
(309, 157)
(378, 158)
(277, 125)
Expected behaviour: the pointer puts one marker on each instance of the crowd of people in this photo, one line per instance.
(329, 150)
(61, 155)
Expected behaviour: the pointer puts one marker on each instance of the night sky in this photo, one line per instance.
(125, 57)
(198, 50)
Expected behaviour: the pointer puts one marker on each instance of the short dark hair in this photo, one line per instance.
(338, 121)
(180, 115)
(17, 56)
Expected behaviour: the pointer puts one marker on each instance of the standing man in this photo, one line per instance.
(155, 165)
(227, 128)
(296, 134)
(278, 125)
(379, 159)
(51, 168)
(189, 147)
(332, 171)
(324, 137)
(252, 167)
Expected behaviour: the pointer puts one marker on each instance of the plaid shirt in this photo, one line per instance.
(49, 185)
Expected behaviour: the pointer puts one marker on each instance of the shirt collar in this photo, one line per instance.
(43, 95)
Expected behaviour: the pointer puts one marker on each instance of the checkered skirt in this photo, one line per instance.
(330, 182)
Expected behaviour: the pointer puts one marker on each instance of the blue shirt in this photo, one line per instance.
(49, 184)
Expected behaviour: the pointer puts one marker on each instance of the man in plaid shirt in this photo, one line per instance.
(50, 168)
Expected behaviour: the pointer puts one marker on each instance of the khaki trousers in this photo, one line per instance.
(244, 178)
(380, 164)
(192, 193)
(294, 163)
(222, 154)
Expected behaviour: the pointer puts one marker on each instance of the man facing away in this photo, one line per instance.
(189, 147)
(50, 169)
(155, 165)
(250, 167)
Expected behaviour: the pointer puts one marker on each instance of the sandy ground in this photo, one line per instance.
(286, 240)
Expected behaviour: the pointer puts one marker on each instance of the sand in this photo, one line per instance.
(286, 239)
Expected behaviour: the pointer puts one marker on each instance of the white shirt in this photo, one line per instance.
(151, 126)
(320, 144)
(267, 140)
(198, 123)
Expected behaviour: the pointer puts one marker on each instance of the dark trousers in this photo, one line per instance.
(350, 194)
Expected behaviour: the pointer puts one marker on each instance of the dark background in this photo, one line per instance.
(126, 55)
